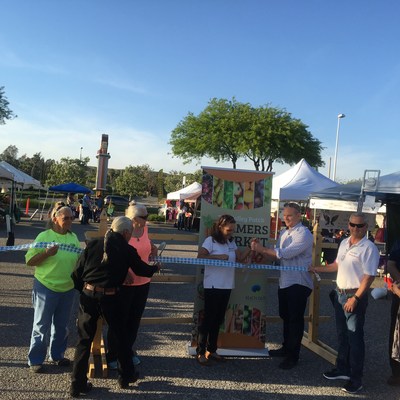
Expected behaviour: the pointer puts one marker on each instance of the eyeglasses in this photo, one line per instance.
(63, 219)
(356, 225)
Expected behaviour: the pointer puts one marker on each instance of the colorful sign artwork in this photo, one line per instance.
(246, 195)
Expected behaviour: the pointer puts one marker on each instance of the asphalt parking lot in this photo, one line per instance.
(167, 371)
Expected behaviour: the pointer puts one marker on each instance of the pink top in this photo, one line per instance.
(143, 247)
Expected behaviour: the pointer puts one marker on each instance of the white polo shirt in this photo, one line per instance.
(356, 261)
(219, 277)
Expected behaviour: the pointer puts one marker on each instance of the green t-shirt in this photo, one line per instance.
(55, 272)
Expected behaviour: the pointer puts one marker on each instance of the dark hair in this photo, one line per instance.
(216, 233)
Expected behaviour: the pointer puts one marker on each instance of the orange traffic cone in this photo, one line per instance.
(27, 207)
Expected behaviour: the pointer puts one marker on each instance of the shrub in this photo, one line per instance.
(156, 218)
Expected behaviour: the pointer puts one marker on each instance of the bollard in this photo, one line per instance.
(27, 207)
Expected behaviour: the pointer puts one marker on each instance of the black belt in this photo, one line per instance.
(346, 291)
(98, 289)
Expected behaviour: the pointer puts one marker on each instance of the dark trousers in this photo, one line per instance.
(394, 365)
(215, 303)
(133, 301)
(292, 305)
(350, 331)
(92, 306)
(86, 213)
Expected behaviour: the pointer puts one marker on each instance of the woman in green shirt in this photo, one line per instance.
(53, 289)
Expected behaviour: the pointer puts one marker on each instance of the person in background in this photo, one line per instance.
(393, 268)
(87, 209)
(293, 248)
(98, 275)
(135, 290)
(188, 217)
(53, 289)
(181, 215)
(356, 265)
(71, 203)
(218, 283)
(99, 203)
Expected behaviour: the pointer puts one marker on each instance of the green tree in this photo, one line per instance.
(276, 137)
(5, 112)
(174, 180)
(68, 170)
(132, 182)
(229, 130)
(160, 184)
(214, 133)
(10, 155)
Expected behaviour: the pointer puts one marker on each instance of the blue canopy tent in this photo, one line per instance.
(70, 187)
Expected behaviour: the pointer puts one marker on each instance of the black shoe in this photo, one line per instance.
(64, 362)
(352, 387)
(281, 352)
(76, 390)
(288, 363)
(123, 383)
(36, 369)
(335, 374)
(393, 381)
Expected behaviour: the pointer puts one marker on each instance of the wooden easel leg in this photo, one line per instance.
(98, 351)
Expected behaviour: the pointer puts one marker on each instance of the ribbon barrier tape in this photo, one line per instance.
(221, 263)
(42, 245)
(163, 260)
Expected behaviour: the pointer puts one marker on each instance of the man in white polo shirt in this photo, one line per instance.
(356, 265)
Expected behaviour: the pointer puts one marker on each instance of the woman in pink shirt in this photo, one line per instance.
(135, 289)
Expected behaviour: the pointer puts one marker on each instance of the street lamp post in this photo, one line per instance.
(339, 117)
(80, 156)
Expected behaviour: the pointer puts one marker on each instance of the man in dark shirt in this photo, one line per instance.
(99, 273)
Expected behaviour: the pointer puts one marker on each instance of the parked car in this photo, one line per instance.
(117, 201)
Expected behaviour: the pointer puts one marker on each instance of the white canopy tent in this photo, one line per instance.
(297, 183)
(189, 193)
(20, 178)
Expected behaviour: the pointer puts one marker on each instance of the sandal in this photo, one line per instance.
(215, 357)
(202, 360)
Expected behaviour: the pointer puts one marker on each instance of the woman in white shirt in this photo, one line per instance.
(218, 283)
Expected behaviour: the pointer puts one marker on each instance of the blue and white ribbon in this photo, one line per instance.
(43, 245)
(223, 263)
(163, 260)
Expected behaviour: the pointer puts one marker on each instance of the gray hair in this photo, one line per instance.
(358, 215)
(121, 224)
(58, 209)
(136, 210)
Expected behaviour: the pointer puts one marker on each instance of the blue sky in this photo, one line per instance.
(76, 69)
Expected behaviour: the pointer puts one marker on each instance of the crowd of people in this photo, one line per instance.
(113, 277)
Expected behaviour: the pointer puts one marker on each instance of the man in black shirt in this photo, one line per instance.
(99, 273)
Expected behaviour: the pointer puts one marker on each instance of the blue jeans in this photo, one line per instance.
(350, 331)
(52, 311)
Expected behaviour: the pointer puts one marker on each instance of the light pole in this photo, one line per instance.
(80, 156)
(339, 117)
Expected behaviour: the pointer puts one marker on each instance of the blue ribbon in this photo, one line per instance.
(164, 260)
(43, 245)
(223, 263)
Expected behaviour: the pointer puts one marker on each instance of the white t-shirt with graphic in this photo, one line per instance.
(219, 277)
